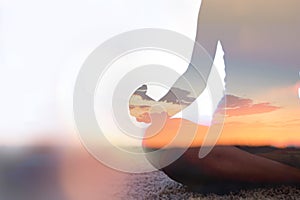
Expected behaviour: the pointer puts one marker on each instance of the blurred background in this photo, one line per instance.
(42, 47)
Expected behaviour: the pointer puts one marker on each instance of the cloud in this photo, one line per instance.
(141, 91)
(141, 108)
(140, 105)
(237, 106)
(183, 96)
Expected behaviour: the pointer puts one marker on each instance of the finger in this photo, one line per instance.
(141, 90)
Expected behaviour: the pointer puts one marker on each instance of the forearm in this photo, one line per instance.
(194, 80)
(191, 82)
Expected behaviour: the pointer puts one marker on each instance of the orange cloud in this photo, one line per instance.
(237, 106)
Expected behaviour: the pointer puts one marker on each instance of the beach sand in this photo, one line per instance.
(156, 185)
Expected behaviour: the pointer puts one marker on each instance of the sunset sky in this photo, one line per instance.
(262, 67)
(40, 58)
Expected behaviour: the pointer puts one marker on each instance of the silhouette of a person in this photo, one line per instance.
(262, 57)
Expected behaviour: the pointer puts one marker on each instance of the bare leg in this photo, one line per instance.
(228, 164)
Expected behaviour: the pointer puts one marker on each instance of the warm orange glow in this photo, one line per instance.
(254, 134)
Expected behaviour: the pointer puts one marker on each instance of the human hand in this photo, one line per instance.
(140, 105)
